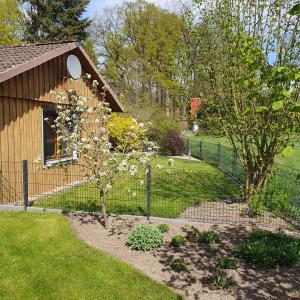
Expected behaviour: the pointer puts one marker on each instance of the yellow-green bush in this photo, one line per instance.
(120, 127)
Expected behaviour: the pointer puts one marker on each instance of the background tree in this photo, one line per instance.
(138, 44)
(250, 60)
(10, 22)
(55, 20)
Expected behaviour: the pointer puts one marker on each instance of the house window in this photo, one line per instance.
(53, 149)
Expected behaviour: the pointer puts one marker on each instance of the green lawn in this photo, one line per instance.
(42, 259)
(292, 161)
(173, 189)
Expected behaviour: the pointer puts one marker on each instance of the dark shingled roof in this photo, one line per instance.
(12, 56)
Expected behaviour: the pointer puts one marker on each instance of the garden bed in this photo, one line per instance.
(250, 282)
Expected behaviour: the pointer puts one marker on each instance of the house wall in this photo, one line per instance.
(21, 101)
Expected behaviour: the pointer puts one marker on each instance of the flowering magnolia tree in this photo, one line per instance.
(82, 125)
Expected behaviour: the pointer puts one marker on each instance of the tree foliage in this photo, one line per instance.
(138, 43)
(55, 20)
(10, 22)
(253, 77)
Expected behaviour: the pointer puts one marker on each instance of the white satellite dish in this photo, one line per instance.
(74, 66)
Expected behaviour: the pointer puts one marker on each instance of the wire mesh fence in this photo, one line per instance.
(281, 196)
(193, 193)
(217, 155)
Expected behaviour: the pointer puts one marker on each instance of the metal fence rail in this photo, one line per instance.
(195, 194)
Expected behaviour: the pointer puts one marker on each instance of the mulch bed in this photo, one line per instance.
(250, 282)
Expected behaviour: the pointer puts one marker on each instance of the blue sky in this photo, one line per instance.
(97, 6)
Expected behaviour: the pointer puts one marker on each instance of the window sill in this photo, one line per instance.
(55, 162)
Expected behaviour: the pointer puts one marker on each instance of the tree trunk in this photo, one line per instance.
(103, 209)
(253, 183)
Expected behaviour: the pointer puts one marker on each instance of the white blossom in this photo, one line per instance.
(171, 161)
(133, 170)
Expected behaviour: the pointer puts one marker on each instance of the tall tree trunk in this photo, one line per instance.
(103, 209)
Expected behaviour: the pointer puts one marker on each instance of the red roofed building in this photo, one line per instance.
(195, 107)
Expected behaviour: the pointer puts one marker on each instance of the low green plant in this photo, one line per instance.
(257, 206)
(221, 279)
(163, 228)
(178, 241)
(267, 249)
(144, 238)
(226, 263)
(179, 265)
(209, 237)
(192, 234)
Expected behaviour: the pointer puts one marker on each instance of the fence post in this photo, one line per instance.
(201, 150)
(148, 191)
(235, 171)
(219, 155)
(25, 183)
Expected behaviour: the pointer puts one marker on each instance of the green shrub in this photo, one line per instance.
(268, 249)
(209, 236)
(221, 279)
(173, 143)
(119, 127)
(160, 126)
(163, 228)
(178, 241)
(144, 238)
(227, 263)
(179, 265)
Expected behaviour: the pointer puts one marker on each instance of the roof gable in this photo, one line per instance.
(15, 60)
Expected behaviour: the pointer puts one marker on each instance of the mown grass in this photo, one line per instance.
(42, 259)
(291, 161)
(173, 189)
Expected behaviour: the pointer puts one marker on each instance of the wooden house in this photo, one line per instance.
(28, 74)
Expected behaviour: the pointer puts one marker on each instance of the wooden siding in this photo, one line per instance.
(21, 102)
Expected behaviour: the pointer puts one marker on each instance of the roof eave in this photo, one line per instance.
(117, 105)
(36, 62)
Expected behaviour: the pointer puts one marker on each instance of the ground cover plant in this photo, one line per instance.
(226, 263)
(42, 259)
(144, 238)
(173, 189)
(267, 249)
(221, 279)
(163, 228)
(178, 241)
(179, 265)
(209, 237)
